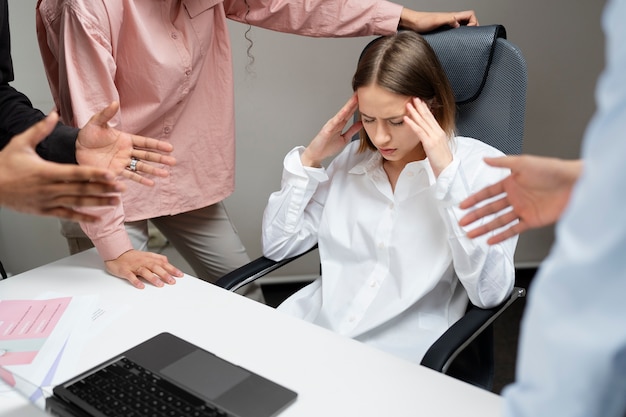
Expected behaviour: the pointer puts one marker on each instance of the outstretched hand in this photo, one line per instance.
(330, 140)
(100, 145)
(31, 185)
(533, 195)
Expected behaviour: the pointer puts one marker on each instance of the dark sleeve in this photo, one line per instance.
(17, 113)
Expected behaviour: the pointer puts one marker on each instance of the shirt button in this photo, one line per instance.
(351, 319)
(381, 245)
(373, 284)
(410, 174)
(174, 35)
(188, 72)
(167, 129)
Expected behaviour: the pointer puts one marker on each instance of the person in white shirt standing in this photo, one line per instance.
(397, 269)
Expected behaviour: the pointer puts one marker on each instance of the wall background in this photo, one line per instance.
(296, 84)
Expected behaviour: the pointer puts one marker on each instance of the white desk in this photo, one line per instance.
(333, 376)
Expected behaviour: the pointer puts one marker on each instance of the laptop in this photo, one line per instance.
(168, 376)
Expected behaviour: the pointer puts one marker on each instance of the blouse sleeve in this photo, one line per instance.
(319, 18)
(486, 271)
(66, 42)
(292, 215)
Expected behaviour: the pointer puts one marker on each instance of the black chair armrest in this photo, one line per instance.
(445, 349)
(253, 270)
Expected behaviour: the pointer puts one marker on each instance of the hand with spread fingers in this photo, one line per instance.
(135, 265)
(533, 195)
(32, 185)
(131, 156)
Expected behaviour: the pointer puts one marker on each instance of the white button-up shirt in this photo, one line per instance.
(392, 261)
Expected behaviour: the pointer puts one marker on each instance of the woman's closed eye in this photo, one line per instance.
(367, 120)
(392, 122)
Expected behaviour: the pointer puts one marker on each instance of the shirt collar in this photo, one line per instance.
(374, 162)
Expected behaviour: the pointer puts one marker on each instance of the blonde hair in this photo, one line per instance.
(405, 64)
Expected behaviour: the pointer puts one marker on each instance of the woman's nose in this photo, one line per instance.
(382, 135)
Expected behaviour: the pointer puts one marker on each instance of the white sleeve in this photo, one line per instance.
(487, 272)
(292, 215)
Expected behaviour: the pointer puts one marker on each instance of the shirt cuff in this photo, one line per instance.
(293, 165)
(388, 17)
(113, 245)
(444, 186)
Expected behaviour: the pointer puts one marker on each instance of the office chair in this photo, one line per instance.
(488, 78)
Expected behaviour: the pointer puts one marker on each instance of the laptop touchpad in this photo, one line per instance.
(205, 373)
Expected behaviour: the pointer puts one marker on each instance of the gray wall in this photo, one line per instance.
(296, 84)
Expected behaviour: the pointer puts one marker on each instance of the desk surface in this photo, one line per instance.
(333, 375)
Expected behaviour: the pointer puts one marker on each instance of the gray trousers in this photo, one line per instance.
(205, 238)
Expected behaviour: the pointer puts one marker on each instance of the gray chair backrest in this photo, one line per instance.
(489, 77)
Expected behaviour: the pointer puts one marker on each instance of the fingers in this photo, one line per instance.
(353, 130)
(346, 112)
(482, 195)
(72, 180)
(70, 214)
(484, 211)
(103, 116)
(467, 17)
(82, 201)
(136, 177)
(510, 162)
(151, 144)
(497, 223)
(514, 230)
(135, 266)
(133, 279)
(150, 156)
(142, 166)
(420, 117)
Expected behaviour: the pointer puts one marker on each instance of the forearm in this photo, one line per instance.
(571, 170)
(291, 218)
(319, 18)
(486, 271)
(108, 235)
(17, 114)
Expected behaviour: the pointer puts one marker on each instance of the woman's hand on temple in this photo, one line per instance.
(330, 140)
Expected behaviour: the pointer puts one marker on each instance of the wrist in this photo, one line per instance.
(308, 161)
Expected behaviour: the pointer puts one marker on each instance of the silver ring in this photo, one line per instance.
(133, 164)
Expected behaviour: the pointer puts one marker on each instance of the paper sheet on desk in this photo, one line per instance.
(43, 338)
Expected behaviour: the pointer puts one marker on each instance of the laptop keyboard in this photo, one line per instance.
(125, 389)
